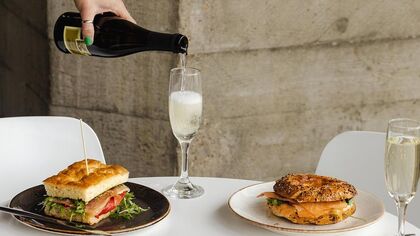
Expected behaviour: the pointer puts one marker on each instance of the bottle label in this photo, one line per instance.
(73, 41)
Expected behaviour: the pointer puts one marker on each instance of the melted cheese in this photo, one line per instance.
(307, 209)
(314, 210)
(285, 210)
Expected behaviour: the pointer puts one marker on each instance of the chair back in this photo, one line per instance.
(34, 148)
(358, 158)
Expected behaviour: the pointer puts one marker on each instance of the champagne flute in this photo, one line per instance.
(185, 108)
(402, 164)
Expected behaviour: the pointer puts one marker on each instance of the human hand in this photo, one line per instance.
(89, 8)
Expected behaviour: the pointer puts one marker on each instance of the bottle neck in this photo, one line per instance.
(176, 43)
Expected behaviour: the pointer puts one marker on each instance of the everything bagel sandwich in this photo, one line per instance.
(311, 199)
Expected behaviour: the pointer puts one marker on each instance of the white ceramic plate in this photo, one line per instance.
(245, 204)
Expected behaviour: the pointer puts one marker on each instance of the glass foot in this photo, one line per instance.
(183, 189)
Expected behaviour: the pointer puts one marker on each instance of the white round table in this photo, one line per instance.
(207, 215)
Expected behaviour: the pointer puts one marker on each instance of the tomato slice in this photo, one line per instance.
(112, 204)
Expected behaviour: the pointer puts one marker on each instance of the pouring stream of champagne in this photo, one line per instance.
(183, 64)
(84, 146)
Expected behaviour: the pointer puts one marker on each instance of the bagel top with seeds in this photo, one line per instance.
(313, 188)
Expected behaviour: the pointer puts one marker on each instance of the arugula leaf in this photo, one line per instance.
(80, 207)
(274, 202)
(127, 208)
(48, 202)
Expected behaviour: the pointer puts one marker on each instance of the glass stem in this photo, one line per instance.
(184, 171)
(401, 208)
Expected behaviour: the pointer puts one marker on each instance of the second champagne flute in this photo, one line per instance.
(185, 108)
(402, 164)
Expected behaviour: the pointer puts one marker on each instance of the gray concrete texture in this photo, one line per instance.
(24, 64)
(226, 25)
(280, 79)
(275, 110)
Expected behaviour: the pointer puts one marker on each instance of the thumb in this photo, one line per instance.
(128, 17)
(123, 13)
(88, 30)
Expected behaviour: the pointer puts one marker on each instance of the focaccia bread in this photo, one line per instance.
(313, 188)
(74, 183)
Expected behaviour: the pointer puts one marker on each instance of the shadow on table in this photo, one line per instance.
(234, 224)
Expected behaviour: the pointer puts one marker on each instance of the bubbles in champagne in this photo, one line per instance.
(402, 161)
(185, 109)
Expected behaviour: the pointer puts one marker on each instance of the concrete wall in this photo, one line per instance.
(24, 61)
(281, 78)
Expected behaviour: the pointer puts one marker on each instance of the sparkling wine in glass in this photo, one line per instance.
(402, 164)
(185, 108)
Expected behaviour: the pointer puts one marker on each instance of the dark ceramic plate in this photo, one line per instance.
(157, 204)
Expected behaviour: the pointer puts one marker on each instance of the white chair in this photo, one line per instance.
(34, 148)
(358, 157)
